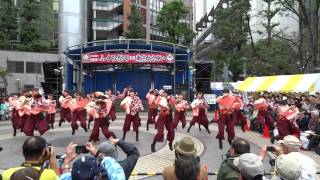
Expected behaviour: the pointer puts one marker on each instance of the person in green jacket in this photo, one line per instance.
(228, 171)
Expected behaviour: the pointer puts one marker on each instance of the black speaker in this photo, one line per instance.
(52, 78)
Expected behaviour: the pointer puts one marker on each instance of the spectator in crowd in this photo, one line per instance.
(37, 153)
(292, 145)
(250, 167)
(288, 167)
(228, 171)
(85, 166)
(26, 173)
(109, 149)
(107, 154)
(187, 164)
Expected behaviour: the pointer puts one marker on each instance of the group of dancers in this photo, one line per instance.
(31, 111)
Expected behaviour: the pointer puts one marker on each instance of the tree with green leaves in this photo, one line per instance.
(231, 25)
(269, 14)
(135, 28)
(8, 23)
(307, 12)
(170, 22)
(34, 21)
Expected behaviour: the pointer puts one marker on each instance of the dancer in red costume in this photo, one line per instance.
(264, 118)
(92, 102)
(238, 115)
(180, 112)
(23, 100)
(113, 111)
(14, 105)
(226, 104)
(65, 113)
(100, 112)
(164, 120)
(132, 105)
(51, 110)
(152, 111)
(35, 118)
(286, 122)
(199, 111)
(77, 108)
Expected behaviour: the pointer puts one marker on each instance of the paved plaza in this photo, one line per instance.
(206, 144)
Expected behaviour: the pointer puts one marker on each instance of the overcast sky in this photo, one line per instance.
(199, 7)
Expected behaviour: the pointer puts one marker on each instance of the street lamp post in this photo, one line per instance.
(18, 85)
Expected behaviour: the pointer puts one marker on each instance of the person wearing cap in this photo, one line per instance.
(228, 171)
(292, 145)
(86, 166)
(250, 167)
(187, 163)
(287, 166)
(108, 149)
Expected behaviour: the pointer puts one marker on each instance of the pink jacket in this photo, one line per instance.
(196, 104)
(151, 100)
(182, 106)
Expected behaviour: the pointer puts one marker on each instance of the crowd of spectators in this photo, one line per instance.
(308, 119)
(81, 162)
(87, 162)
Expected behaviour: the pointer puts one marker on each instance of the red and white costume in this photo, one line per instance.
(180, 113)
(51, 111)
(34, 110)
(164, 120)
(65, 113)
(286, 122)
(263, 117)
(132, 107)
(237, 114)
(152, 112)
(100, 114)
(77, 108)
(226, 105)
(199, 113)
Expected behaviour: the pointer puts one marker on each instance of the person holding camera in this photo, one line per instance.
(292, 145)
(105, 149)
(96, 165)
(187, 164)
(250, 167)
(228, 171)
(39, 156)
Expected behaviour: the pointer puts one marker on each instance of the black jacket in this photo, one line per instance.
(132, 157)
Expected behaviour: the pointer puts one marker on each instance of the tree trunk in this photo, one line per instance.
(269, 23)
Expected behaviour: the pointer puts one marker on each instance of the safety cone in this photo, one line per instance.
(266, 133)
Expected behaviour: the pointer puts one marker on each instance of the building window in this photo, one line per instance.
(33, 67)
(15, 67)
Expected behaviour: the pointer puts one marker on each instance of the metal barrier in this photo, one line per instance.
(209, 174)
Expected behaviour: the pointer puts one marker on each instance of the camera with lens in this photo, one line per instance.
(272, 162)
(226, 156)
(81, 149)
